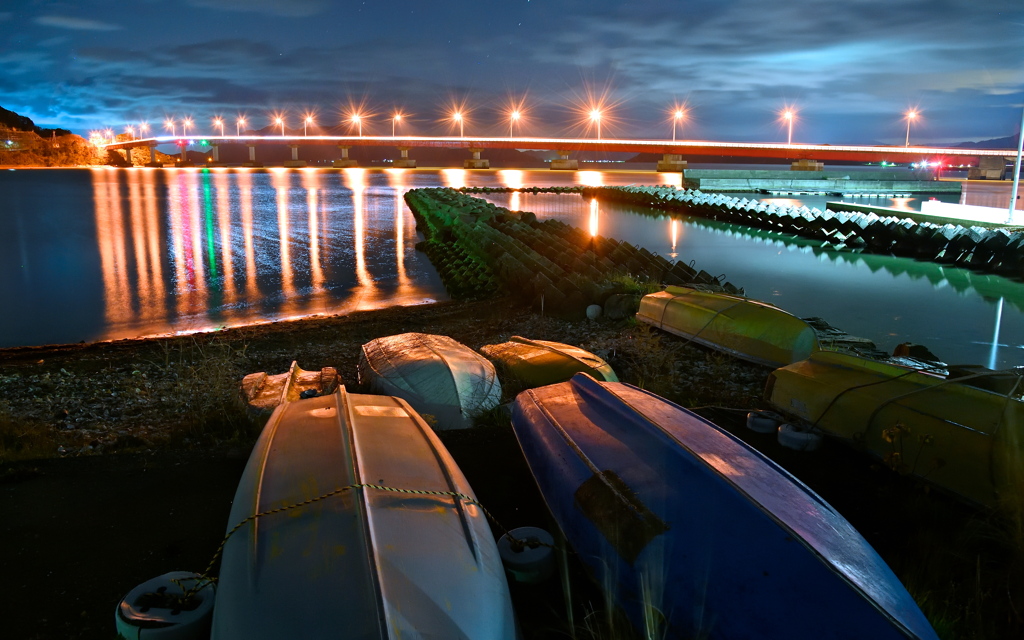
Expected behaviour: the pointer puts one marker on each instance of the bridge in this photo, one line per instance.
(804, 156)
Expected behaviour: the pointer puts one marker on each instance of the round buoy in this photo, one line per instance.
(528, 554)
(763, 421)
(156, 609)
(798, 438)
(594, 311)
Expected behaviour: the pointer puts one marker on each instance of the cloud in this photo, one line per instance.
(287, 8)
(76, 24)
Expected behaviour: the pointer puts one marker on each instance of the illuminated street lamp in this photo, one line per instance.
(130, 130)
(143, 128)
(109, 133)
(308, 121)
(219, 123)
(169, 124)
(512, 119)
(595, 116)
(358, 121)
(911, 115)
(186, 124)
(678, 115)
(395, 120)
(457, 117)
(279, 120)
(788, 116)
(239, 123)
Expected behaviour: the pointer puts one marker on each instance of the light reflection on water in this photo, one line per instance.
(112, 253)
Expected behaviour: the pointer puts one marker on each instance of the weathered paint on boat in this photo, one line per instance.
(746, 328)
(265, 392)
(364, 563)
(541, 362)
(695, 533)
(437, 375)
(950, 432)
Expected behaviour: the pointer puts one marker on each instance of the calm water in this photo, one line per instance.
(113, 253)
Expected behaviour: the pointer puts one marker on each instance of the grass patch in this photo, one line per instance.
(25, 439)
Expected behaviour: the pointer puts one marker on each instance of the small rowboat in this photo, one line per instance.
(748, 329)
(964, 434)
(364, 562)
(540, 362)
(438, 376)
(694, 533)
(264, 392)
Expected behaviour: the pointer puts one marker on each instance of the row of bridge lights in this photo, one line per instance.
(457, 117)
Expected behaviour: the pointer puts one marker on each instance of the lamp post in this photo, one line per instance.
(143, 128)
(910, 118)
(512, 119)
(358, 121)
(279, 120)
(308, 121)
(457, 117)
(186, 124)
(169, 124)
(239, 123)
(595, 116)
(395, 120)
(788, 115)
(676, 117)
(219, 123)
(130, 130)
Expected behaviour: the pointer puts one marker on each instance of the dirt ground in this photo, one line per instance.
(120, 461)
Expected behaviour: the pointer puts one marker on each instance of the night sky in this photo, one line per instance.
(851, 69)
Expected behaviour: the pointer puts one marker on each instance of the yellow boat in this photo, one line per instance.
(540, 362)
(755, 331)
(949, 431)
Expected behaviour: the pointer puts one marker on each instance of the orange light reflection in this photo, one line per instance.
(593, 217)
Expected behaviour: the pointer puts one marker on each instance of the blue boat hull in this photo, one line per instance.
(695, 533)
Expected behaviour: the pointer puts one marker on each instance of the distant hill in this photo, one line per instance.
(1009, 142)
(21, 123)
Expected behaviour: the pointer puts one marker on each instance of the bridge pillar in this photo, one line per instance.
(806, 164)
(672, 162)
(252, 157)
(183, 161)
(989, 168)
(563, 163)
(405, 162)
(128, 156)
(476, 162)
(152, 157)
(215, 152)
(294, 162)
(345, 161)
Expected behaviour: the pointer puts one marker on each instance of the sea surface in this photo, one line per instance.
(104, 254)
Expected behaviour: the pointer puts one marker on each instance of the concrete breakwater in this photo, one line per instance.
(998, 251)
(481, 249)
(831, 182)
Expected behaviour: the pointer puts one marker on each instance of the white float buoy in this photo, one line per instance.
(528, 554)
(155, 610)
(798, 438)
(763, 421)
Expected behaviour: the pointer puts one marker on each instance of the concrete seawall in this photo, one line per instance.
(824, 181)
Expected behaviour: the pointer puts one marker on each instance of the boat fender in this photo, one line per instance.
(154, 610)
(528, 554)
(798, 438)
(763, 421)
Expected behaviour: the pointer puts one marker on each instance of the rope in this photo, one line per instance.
(204, 580)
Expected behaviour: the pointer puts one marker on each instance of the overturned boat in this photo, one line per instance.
(437, 375)
(540, 362)
(264, 392)
(962, 431)
(410, 556)
(694, 533)
(748, 329)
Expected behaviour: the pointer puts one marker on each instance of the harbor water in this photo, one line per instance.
(102, 254)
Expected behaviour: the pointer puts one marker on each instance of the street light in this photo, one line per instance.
(910, 118)
(306, 123)
(512, 119)
(279, 120)
(186, 124)
(395, 120)
(676, 117)
(358, 121)
(219, 123)
(239, 123)
(595, 115)
(788, 115)
(130, 130)
(143, 127)
(457, 117)
(169, 124)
